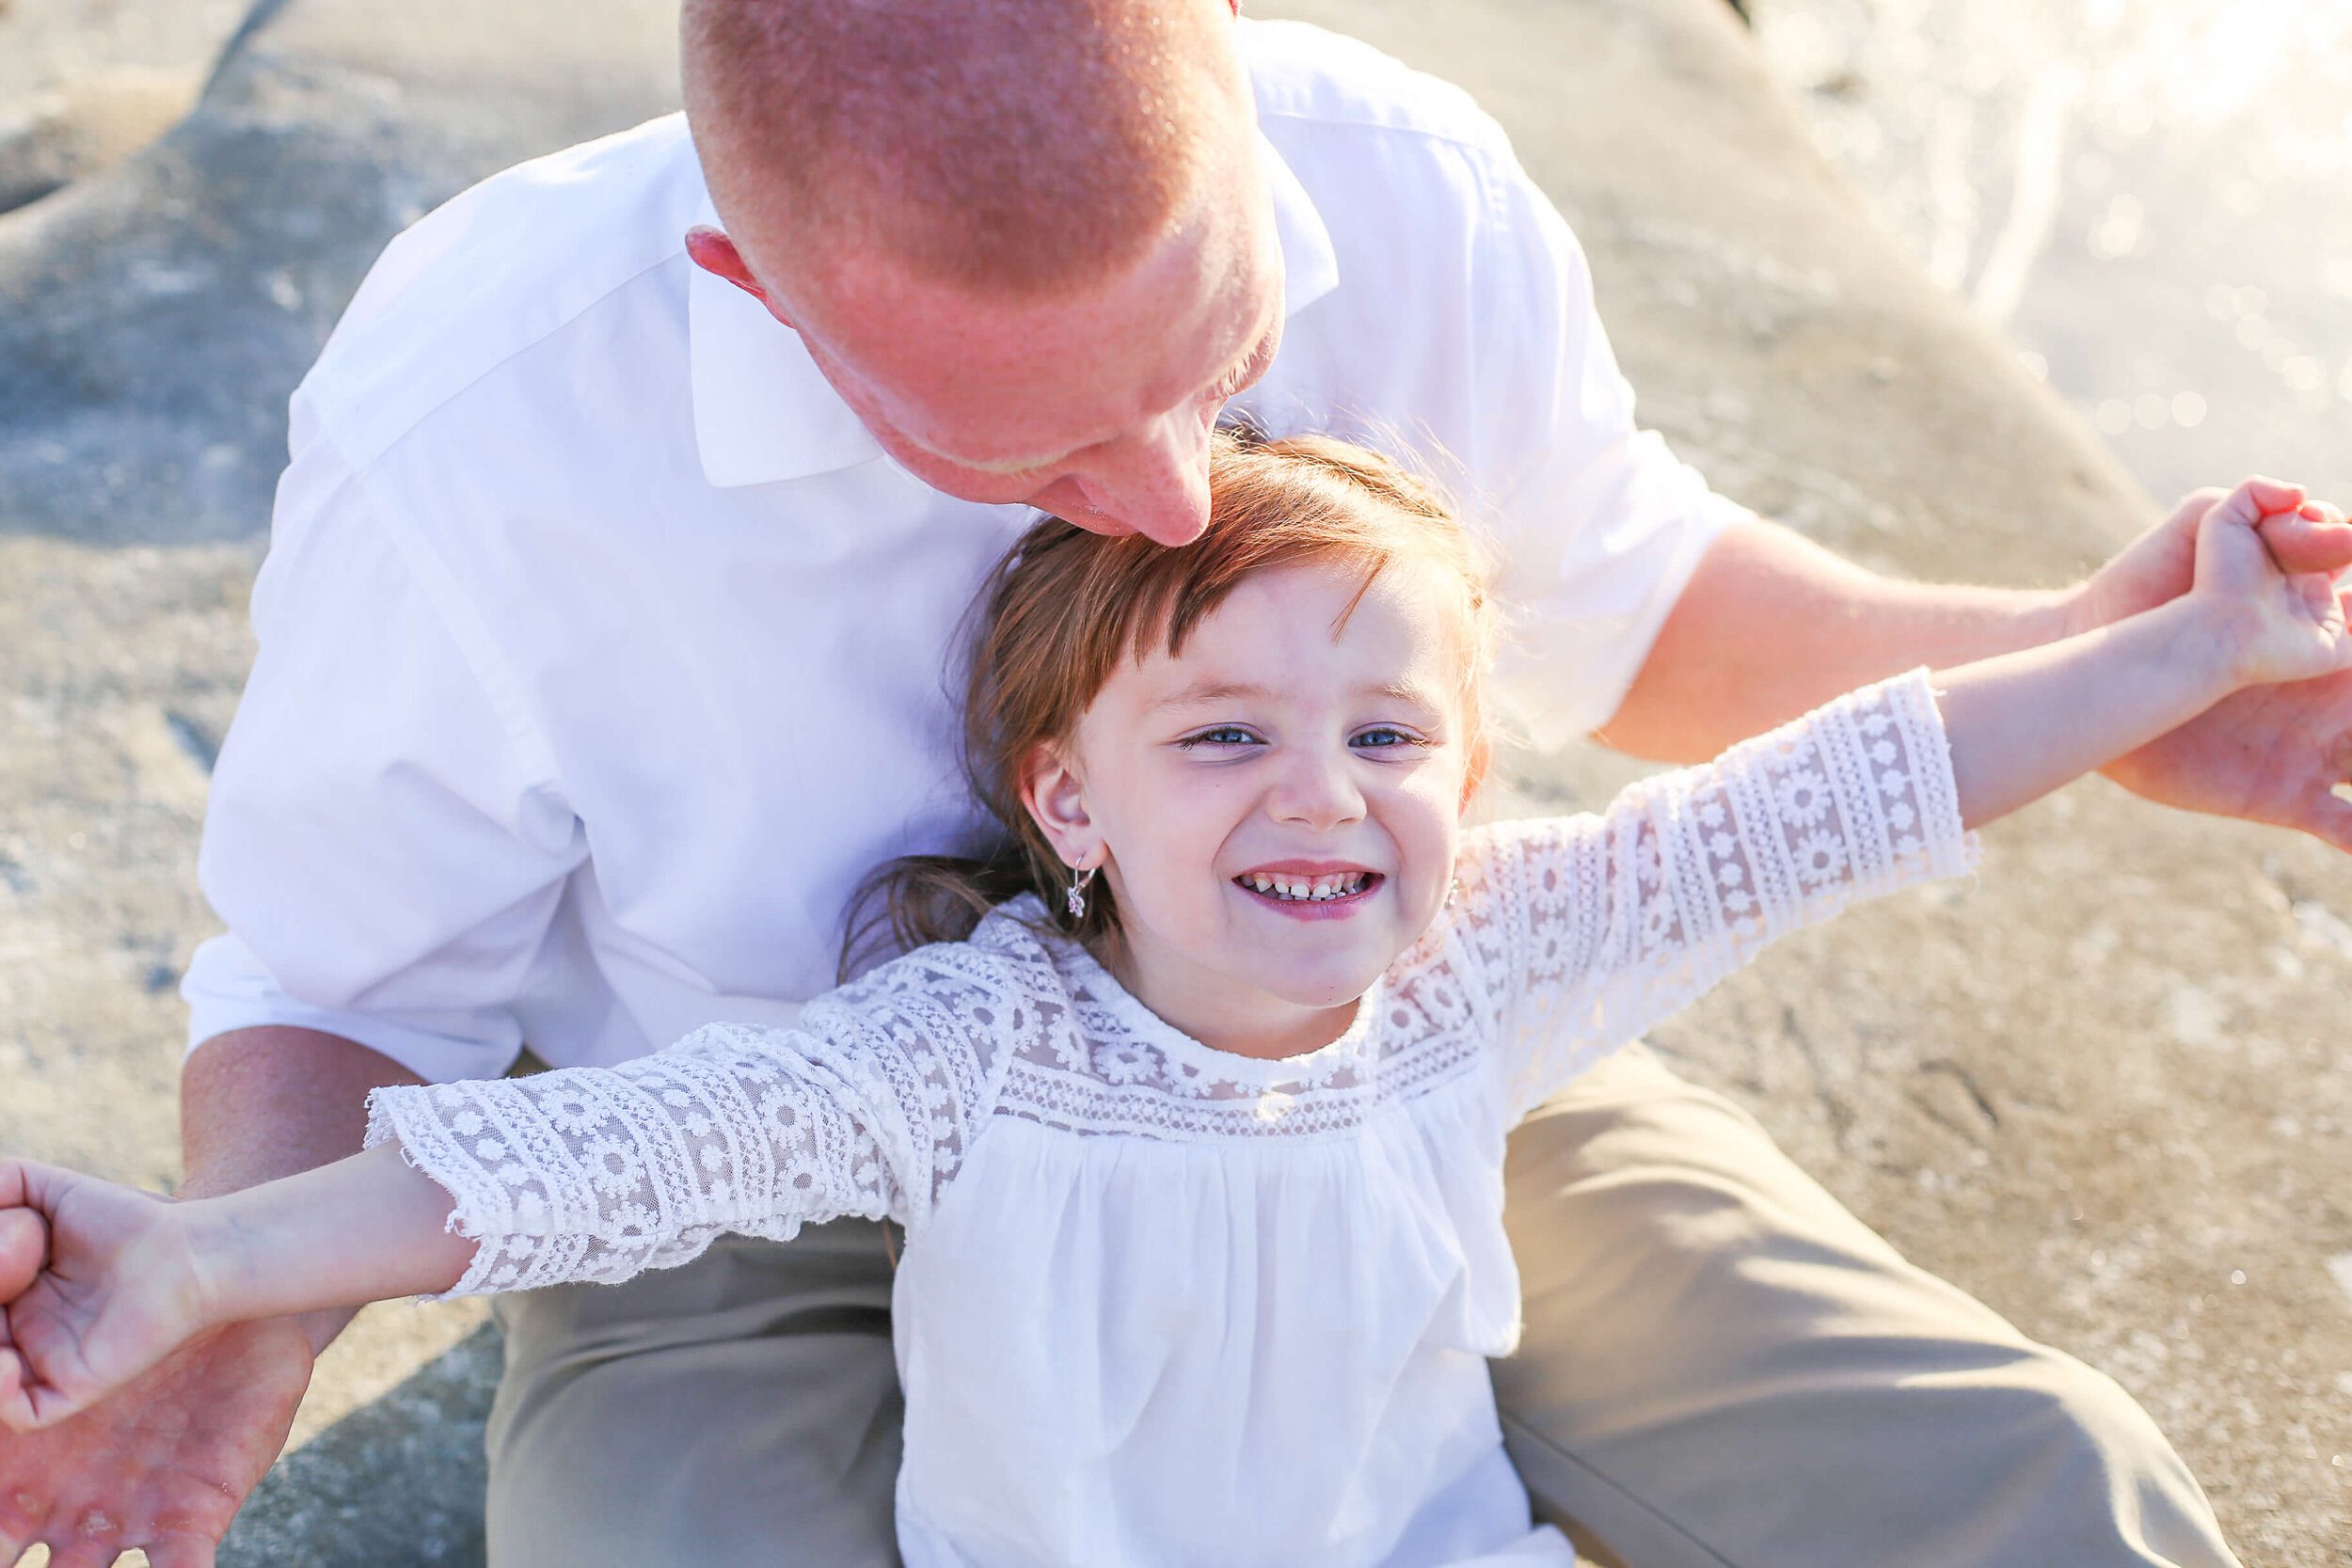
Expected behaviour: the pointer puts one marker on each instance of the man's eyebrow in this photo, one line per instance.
(1249, 356)
(1241, 362)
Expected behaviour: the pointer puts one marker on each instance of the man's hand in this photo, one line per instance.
(163, 1464)
(95, 1292)
(2271, 754)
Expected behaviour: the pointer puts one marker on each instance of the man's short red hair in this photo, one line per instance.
(1010, 147)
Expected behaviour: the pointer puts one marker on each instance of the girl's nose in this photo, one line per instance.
(1317, 791)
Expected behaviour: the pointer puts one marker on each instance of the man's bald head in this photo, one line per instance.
(1013, 148)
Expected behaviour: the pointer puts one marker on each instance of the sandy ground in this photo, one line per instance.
(2102, 1089)
(86, 83)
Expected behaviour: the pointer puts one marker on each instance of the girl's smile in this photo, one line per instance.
(1311, 890)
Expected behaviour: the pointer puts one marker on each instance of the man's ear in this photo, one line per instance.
(712, 251)
(1056, 799)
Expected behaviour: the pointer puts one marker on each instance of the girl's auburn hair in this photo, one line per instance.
(1064, 606)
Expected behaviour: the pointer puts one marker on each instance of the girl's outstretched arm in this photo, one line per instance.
(1597, 927)
(99, 1282)
(2024, 723)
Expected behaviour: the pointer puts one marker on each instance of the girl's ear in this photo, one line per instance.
(1482, 756)
(1057, 802)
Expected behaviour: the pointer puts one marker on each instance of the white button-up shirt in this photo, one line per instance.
(603, 652)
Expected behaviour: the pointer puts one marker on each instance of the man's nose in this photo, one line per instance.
(1158, 484)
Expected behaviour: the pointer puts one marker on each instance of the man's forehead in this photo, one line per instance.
(1012, 386)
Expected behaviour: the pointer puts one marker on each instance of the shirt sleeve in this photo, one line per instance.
(386, 838)
(594, 1174)
(1599, 525)
(1591, 929)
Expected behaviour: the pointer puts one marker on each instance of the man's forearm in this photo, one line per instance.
(257, 1104)
(1772, 625)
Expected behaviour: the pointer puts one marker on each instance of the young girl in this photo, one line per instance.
(1198, 1136)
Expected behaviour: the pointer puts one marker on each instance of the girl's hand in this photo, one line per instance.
(98, 1283)
(2276, 627)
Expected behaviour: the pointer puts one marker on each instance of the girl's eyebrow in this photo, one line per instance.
(1201, 693)
(1406, 691)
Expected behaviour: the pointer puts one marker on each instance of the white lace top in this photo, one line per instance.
(1164, 1304)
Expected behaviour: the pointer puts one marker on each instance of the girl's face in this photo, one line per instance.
(1276, 810)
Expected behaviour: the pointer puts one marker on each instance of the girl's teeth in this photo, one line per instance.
(1311, 890)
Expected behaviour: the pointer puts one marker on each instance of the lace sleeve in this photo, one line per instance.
(593, 1173)
(1591, 929)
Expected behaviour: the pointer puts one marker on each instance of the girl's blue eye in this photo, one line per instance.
(1383, 737)
(1224, 735)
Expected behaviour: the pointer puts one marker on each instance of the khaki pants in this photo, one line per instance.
(1722, 1366)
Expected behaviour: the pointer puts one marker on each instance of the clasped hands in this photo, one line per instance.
(2269, 753)
(165, 1463)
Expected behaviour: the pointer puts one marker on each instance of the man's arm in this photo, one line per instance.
(1771, 625)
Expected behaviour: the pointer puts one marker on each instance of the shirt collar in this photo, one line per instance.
(764, 413)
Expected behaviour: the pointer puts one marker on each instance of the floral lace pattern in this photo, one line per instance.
(1599, 929)
(1124, 1072)
(595, 1174)
(1569, 936)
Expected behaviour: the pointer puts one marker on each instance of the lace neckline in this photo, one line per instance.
(1092, 983)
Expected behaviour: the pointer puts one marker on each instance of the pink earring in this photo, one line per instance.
(1076, 900)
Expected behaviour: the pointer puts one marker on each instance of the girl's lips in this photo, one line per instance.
(1337, 907)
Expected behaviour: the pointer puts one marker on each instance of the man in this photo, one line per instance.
(632, 509)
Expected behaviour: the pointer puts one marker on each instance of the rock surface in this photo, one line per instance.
(152, 320)
(397, 1484)
(2100, 1090)
(86, 83)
